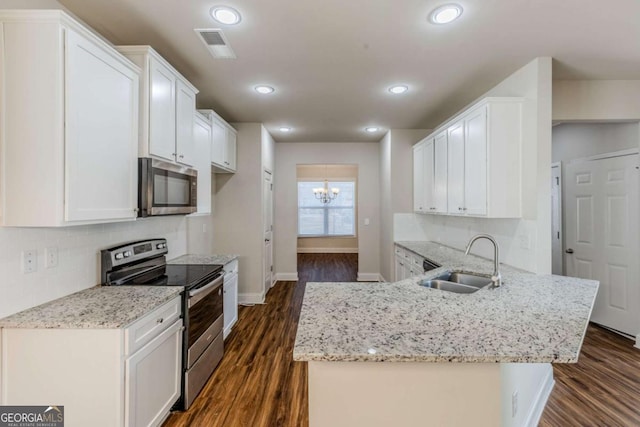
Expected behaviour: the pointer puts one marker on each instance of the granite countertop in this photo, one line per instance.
(530, 319)
(100, 307)
(203, 259)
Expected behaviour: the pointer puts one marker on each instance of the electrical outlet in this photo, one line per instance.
(51, 257)
(30, 261)
(514, 403)
(525, 242)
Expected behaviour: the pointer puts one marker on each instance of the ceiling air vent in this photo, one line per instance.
(216, 42)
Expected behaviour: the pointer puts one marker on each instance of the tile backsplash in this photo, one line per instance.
(78, 257)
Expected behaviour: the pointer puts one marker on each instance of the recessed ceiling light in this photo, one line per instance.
(263, 89)
(285, 129)
(445, 14)
(397, 90)
(372, 129)
(225, 15)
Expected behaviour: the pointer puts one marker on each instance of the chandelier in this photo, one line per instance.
(323, 194)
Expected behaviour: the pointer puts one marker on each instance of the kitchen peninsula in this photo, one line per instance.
(479, 359)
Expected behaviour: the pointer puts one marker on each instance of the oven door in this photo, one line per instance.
(166, 188)
(204, 318)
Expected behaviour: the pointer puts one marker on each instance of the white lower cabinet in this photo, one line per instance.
(407, 263)
(103, 377)
(230, 300)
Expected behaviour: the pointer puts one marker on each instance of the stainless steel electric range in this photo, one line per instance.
(143, 263)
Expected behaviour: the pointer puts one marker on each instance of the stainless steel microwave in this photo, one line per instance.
(165, 188)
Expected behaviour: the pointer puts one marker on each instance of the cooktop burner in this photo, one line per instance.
(189, 274)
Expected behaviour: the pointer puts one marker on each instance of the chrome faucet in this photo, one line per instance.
(496, 278)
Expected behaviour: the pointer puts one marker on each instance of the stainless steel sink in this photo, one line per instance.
(443, 285)
(475, 280)
(458, 282)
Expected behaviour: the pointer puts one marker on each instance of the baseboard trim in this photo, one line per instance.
(369, 277)
(253, 298)
(637, 341)
(286, 277)
(327, 250)
(541, 399)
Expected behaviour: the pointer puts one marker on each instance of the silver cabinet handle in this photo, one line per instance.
(569, 251)
(181, 156)
(160, 320)
(459, 209)
(174, 154)
(464, 209)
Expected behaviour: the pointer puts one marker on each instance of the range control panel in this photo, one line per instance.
(132, 252)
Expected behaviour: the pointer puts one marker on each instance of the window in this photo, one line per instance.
(336, 218)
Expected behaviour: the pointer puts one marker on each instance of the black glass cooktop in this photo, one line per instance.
(188, 275)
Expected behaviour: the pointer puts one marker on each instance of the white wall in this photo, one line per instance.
(596, 100)
(237, 216)
(78, 257)
(287, 157)
(526, 242)
(577, 140)
(396, 187)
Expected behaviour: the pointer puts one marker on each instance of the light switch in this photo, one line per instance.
(366, 221)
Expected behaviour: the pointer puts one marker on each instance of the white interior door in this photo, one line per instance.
(268, 230)
(556, 220)
(601, 207)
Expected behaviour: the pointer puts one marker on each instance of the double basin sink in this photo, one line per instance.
(458, 282)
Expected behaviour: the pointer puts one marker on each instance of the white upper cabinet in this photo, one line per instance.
(418, 178)
(167, 107)
(477, 162)
(202, 143)
(162, 111)
(70, 124)
(455, 168)
(223, 150)
(440, 173)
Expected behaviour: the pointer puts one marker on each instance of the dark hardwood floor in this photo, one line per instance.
(258, 385)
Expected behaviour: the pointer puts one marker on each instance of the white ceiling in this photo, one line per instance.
(331, 61)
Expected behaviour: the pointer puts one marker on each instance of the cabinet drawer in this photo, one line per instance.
(231, 267)
(399, 251)
(151, 325)
(416, 260)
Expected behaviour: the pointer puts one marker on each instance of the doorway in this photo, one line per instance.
(602, 240)
(557, 264)
(267, 208)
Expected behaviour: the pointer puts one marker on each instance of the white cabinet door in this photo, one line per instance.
(455, 168)
(154, 376)
(440, 173)
(418, 179)
(428, 164)
(219, 143)
(185, 110)
(230, 302)
(231, 150)
(475, 162)
(202, 145)
(162, 111)
(101, 127)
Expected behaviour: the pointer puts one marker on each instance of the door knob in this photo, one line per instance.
(569, 251)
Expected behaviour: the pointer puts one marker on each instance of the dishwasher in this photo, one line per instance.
(429, 265)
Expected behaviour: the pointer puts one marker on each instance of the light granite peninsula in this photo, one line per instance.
(481, 359)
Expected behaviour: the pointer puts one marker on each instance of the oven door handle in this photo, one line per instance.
(197, 294)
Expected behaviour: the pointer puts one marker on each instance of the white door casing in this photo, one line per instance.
(268, 230)
(556, 220)
(601, 208)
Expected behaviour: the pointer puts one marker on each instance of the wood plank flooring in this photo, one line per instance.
(602, 389)
(258, 385)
